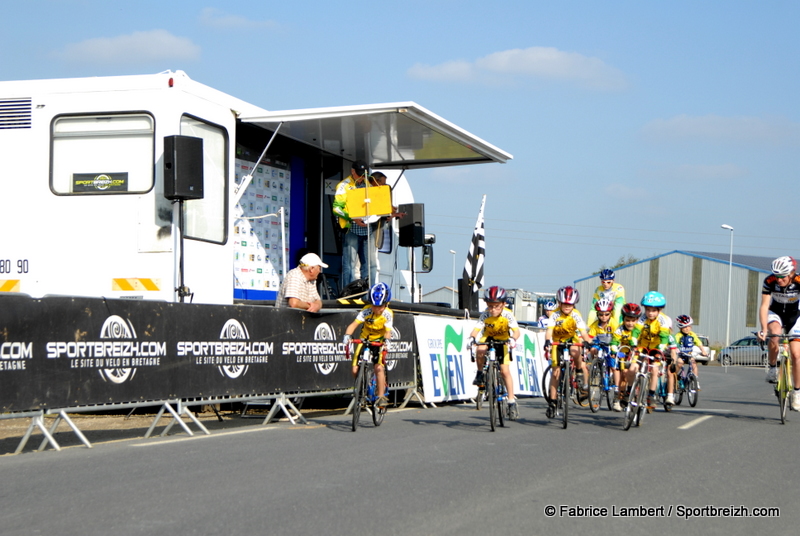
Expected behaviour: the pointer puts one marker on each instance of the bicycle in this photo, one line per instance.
(661, 389)
(686, 382)
(637, 401)
(365, 387)
(601, 378)
(494, 390)
(567, 387)
(785, 385)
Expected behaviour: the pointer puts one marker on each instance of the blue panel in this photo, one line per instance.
(246, 294)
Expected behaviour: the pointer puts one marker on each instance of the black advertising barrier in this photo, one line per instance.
(62, 352)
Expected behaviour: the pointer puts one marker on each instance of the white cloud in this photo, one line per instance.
(215, 18)
(723, 130)
(544, 63)
(135, 48)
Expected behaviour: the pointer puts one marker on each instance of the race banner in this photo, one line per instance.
(446, 365)
(61, 352)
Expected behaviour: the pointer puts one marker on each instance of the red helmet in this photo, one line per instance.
(632, 309)
(604, 305)
(495, 294)
(568, 295)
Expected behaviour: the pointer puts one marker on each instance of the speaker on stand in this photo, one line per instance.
(183, 179)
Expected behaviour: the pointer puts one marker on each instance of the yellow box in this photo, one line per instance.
(380, 201)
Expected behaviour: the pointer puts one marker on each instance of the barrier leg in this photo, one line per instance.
(37, 421)
(412, 392)
(155, 421)
(287, 407)
(62, 415)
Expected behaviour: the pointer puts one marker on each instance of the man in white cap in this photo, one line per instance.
(299, 287)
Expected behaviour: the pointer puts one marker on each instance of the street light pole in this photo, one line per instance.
(730, 275)
(453, 300)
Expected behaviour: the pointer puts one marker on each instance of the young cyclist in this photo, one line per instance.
(566, 327)
(610, 290)
(631, 312)
(376, 322)
(548, 307)
(780, 298)
(602, 329)
(688, 343)
(497, 322)
(652, 334)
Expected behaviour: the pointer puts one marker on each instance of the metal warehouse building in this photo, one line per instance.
(695, 283)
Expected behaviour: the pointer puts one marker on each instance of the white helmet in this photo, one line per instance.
(783, 266)
(604, 305)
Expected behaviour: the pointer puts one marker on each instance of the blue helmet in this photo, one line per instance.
(654, 299)
(380, 294)
(550, 305)
(607, 275)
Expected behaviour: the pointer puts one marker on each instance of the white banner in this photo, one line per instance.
(446, 367)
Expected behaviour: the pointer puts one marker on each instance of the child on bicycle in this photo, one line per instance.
(377, 322)
(688, 343)
(549, 307)
(497, 322)
(652, 336)
(621, 339)
(567, 328)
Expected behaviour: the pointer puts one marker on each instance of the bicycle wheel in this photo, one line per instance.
(642, 402)
(377, 412)
(681, 385)
(783, 390)
(491, 390)
(359, 392)
(502, 403)
(661, 390)
(563, 401)
(580, 396)
(546, 375)
(631, 408)
(595, 385)
(609, 392)
(691, 394)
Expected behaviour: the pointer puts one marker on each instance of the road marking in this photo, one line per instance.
(196, 436)
(694, 422)
(698, 410)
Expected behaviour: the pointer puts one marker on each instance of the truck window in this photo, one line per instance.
(102, 154)
(206, 219)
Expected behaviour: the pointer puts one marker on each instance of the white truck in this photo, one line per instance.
(86, 179)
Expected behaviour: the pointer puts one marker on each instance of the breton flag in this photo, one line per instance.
(473, 269)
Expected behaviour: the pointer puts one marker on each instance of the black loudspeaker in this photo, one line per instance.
(183, 167)
(412, 225)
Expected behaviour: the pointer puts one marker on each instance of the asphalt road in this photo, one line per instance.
(433, 471)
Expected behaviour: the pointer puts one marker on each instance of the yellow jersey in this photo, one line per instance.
(566, 327)
(374, 327)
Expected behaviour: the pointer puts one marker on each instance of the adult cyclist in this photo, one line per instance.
(780, 297)
(610, 290)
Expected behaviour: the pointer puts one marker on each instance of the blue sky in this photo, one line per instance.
(637, 128)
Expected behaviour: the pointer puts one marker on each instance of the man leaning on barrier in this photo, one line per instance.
(299, 287)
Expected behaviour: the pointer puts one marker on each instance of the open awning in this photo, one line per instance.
(399, 135)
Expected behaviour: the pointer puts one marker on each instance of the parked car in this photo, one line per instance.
(709, 354)
(746, 351)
